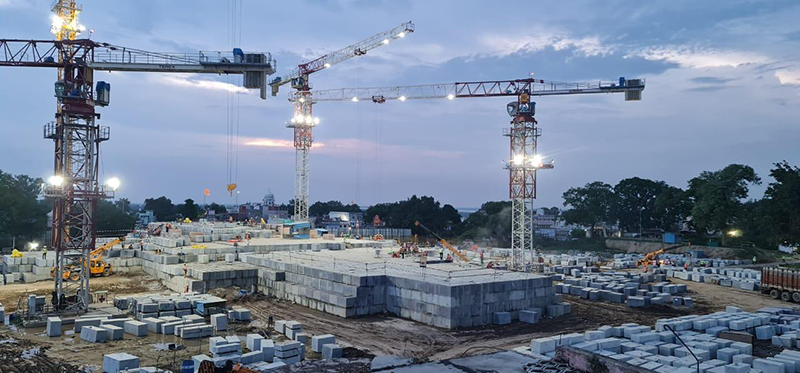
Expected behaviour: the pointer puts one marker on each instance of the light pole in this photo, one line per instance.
(640, 221)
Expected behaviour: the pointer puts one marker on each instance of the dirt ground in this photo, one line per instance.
(119, 283)
(710, 298)
(363, 337)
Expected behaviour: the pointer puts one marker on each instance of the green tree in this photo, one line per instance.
(22, 214)
(634, 206)
(123, 204)
(217, 208)
(289, 207)
(782, 205)
(110, 216)
(424, 209)
(162, 208)
(590, 205)
(672, 206)
(718, 196)
(320, 208)
(491, 222)
(188, 209)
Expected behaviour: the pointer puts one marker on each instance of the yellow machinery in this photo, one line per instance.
(444, 243)
(652, 256)
(97, 266)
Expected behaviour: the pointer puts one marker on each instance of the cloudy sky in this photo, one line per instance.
(723, 86)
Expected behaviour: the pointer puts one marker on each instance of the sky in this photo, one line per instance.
(723, 86)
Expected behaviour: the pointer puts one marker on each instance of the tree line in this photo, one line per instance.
(714, 204)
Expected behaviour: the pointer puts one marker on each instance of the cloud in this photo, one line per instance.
(186, 81)
(276, 143)
(710, 80)
(699, 57)
(788, 76)
(589, 46)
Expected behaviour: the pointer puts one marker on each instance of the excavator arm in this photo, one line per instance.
(649, 257)
(444, 242)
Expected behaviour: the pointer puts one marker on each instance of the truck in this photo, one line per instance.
(781, 283)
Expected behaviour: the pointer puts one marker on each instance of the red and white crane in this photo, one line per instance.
(524, 160)
(74, 186)
(303, 120)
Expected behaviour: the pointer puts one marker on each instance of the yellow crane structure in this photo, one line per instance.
(444, 242)
(97, 266)
(653, 255)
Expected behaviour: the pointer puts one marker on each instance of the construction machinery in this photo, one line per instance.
(444, 243)
(303, 120)
(74, 186)
(652, 256)
(97, 266)
(523, 133)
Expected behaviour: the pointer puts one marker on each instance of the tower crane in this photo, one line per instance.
(74, 186)
(303, 120)
(524, 160)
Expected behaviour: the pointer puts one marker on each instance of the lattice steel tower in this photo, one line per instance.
(522, 165)
(74, 187)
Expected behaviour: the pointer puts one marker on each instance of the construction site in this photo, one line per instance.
(285, 295)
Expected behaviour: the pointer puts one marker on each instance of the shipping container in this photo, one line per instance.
(781, 283)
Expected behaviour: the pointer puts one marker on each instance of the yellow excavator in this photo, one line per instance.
(97, 266)
(653, 255)
(444, 243)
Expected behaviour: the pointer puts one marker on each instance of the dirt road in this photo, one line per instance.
(711, 298)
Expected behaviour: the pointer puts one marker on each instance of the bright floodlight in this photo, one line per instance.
(302, 99)
(355, 99)
(402, 98)
(537, 160)
(734, 233)
(33, 245)
(385, 41)
(518, 159)
(327, 65)
(55, 180)
(316, 120)
(401, 35)
(450, 96)
(113, 183)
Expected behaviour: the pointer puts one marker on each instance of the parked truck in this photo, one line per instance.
(781, 283)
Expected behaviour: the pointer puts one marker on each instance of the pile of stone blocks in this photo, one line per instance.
(659, 350)
(223, 349)
(319, 341)
(737, 278)
(639, 290)
(289, 352)
(433, 301)
(159, 306)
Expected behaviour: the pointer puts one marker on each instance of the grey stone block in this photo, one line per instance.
(93, 334)
(113, 332)
(219, 321)
(331, 351)
(501, 318)
(114, 363)
(53, 327)
(318, 341)
(136, 328)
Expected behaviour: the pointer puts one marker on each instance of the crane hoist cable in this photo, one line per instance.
(233, 108)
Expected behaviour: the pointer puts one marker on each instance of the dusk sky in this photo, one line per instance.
(723, 86)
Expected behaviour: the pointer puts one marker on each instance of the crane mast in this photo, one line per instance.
(74, 186)
(303, 120)
(523, 132)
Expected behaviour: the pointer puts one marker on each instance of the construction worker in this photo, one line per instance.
(449, 257)
(44, 253)
(754, 259)
(185, 270)
(441, 254)
(481, 258)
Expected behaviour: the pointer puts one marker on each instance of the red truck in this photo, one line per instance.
(781, 283)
